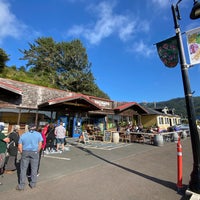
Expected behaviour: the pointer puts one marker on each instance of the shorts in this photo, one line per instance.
(60, 140)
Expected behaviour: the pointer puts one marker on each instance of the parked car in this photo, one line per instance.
(179, 127)
(183, 127)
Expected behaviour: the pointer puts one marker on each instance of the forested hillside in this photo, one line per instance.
(61, 65)
(178, 104)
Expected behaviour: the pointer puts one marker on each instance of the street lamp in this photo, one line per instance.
(195, 13)
(194, 184)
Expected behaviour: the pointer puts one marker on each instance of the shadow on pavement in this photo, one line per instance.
(167, 184)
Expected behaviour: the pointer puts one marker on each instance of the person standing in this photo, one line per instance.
(3, 147)
(43, 133)
(60, 133)
(12, 140)
(45, 129)
(29, 146)
(50, 139)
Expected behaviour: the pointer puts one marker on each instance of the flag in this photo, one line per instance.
(193, 44)
(168, 51)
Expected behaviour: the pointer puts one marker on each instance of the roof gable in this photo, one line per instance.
(10, 88)
(77, 100)
(128, 105)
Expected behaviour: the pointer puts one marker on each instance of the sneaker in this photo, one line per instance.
(1, 183)
(19, 189)
(38, 174)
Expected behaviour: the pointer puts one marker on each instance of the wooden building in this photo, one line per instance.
(161, 117)
(22, 103)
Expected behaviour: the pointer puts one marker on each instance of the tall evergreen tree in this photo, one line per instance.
(42, 59)
(3, 59)
(62, 65)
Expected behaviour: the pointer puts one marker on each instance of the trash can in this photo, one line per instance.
(158, 140)
(116, 137)
(175, 136)
(184, 134)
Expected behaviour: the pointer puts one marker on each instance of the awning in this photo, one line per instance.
(77, 102)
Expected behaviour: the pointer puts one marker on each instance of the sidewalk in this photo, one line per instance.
(132, 172)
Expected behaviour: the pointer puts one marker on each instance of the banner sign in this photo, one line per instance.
(168, 51)
(193, 43)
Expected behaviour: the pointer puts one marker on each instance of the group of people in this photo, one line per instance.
(30, 145)
(57, 136)
(133, 128)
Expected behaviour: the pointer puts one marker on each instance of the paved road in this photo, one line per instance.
(133, 172)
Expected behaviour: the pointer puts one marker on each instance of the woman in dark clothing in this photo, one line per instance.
(11, 160)
(2, 150)
(50, 138)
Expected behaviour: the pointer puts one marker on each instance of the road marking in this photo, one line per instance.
(59, 158)
(106, 147)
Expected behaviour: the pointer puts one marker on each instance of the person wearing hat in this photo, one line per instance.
(3, 147)
(12, 140)
(29, 146)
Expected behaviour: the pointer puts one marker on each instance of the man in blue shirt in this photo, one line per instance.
(29, 146)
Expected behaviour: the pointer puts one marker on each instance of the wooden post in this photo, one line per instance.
(19, 117)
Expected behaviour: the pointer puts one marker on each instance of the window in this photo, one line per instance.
(161, 120)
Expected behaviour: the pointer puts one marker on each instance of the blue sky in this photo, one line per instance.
(119, 36)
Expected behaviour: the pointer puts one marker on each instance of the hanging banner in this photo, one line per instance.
(168, 51)
(193, 43)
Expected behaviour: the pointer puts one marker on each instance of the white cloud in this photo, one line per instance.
(126, 32)
(10, 26)
(107, 24)
(161, 3)
(143, 49)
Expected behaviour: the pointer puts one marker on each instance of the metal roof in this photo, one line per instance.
(128, 105)
(77, 100)
(11, 88)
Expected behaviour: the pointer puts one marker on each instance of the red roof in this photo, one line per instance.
(10, 87)
(128, 105)
(71, 98)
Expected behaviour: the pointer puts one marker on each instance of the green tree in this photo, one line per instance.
(74, 71)
(3, 59)
(42, 59)
(62, 65)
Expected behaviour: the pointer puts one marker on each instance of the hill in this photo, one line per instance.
(178, 104)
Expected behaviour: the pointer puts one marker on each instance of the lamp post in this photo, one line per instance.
(195, 13)
(194, 184)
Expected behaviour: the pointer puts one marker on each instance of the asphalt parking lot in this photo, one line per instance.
(128, 171)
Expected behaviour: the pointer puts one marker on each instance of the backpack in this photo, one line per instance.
(12, 147)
